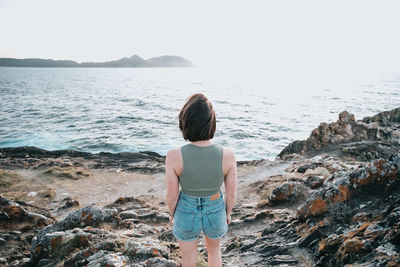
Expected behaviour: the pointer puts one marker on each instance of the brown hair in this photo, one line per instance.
(197, 119)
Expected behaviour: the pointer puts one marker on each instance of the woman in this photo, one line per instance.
(200, 167)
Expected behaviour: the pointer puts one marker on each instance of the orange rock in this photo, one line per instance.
(86, 253)
(121, 200)
(38, 250)
(366, 180)
(88, 219)
(303, 229)
(380, 176)
(374, 231)
(361, 217)
(359, 229)
(55, 242)
(313, 233)
(320, 224)
(313, 208)
(156, 252)
(81, 241)
(343, 195)
(329, 244)
(351, 250)
(322, 245)
(16, 212)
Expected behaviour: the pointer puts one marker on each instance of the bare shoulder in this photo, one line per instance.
(229, 154)
(228, 159)
(174, 155)
(174, 159)
(174, 152)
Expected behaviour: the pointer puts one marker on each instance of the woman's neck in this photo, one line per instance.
(202, 143)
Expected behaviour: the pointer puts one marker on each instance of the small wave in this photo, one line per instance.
(143, 133)
(30, 110)
(61, 121)
(140, 103)
(101, 147)
(273, 139)
(267, 103)
(239, 134)
(128, 118)
(222, 102)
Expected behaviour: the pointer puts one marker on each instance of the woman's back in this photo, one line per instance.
(201, 168)
(202, 173)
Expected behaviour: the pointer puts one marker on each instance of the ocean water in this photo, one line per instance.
(137, 109)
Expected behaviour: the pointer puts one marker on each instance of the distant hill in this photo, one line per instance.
(132, 62)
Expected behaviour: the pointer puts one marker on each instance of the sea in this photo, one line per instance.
(136, 109)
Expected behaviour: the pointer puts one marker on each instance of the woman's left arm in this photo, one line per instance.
(172, 180)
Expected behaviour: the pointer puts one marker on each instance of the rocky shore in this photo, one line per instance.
(330, 200)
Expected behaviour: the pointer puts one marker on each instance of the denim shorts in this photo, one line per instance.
(195, 214)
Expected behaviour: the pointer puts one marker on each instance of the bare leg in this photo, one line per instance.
(213, 251)
(189, 252)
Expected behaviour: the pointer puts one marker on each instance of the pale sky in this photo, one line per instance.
(271, 34)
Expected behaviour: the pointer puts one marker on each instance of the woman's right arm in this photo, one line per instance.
(172, 193)
(230, 183)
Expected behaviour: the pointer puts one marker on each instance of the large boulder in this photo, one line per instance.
(14, 216)
(379, 176)
(355, 217)
(288, 192)
(373, 137)
(61, 238)
(91, 215)
(18, 223)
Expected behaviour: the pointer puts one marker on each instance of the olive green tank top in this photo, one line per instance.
(202, 173)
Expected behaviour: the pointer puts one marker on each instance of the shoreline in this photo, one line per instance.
(143, 161)
(325, 138)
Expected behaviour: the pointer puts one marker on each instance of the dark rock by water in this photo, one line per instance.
(33, 157)
(365, 139)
